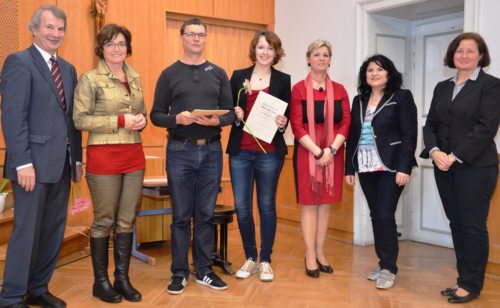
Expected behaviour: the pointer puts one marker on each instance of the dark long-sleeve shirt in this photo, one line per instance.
(182, 87)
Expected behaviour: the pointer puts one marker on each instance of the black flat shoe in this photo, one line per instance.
(46, 300)
(454, 299)
(311, 273)
(324, 268)
(17, 305)
(448, 292)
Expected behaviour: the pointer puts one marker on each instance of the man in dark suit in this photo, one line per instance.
(43, 152)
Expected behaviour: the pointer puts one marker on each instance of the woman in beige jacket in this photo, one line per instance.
(110, 106)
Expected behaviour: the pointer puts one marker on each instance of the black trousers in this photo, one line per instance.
(36, 239)
(382, 194)
(466, 194)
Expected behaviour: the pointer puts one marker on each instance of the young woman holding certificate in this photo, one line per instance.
(254, 161)
(320, 119)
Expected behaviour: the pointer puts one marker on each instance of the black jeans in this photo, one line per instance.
(382, 194)
(466, 194)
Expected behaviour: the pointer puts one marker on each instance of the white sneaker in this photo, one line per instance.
(266, 272)
(374, 274)
(249, 268)
(385, 280)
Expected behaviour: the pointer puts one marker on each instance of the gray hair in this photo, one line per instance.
(35, 19)
(318, 44)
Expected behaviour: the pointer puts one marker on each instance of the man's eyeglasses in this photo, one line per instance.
(119, 45)
(191, 35)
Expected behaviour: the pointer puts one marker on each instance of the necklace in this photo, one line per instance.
(319, 84)
(260, 77)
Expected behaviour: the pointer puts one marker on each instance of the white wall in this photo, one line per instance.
(300, 22)
(489, 23)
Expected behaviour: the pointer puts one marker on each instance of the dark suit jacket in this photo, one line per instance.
(467, 125)
(395, 130)
(279, 86)
(36, 128)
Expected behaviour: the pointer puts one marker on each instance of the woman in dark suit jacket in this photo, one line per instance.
(459, 136)
(248, 163)
(381, 148)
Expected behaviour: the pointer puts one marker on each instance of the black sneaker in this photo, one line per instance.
(176, 285)
(213, 281)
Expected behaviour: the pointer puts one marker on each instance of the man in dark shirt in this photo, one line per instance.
(194, 152)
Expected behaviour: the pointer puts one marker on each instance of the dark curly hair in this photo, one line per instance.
(394, 78)
(107, 33)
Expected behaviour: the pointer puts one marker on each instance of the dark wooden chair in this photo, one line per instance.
(223, 215)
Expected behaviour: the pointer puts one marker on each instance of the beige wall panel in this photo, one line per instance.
(494, 232)
(9, 20)
(26, 10)
(257, 11)
(78, 46)
(192, 7)
(154, 150)
(153, 228)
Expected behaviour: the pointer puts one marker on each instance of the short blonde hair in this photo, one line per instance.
(318, 44)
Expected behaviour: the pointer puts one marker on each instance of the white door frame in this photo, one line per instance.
(362, 225)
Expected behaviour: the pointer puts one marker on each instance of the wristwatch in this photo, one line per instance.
(333, 150)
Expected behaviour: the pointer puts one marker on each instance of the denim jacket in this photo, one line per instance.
(100, 97)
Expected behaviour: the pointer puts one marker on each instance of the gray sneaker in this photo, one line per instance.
(374, 274)
(385, 280)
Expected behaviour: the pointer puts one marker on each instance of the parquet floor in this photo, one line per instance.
(424, 271)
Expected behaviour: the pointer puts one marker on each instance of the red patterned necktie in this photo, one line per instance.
(56, 74)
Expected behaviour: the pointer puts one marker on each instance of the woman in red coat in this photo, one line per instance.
(320, 119)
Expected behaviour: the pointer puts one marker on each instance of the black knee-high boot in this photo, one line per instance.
(122, 253)
(102, 288)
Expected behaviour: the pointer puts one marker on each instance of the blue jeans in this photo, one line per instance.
(194, 173)
(264, 169)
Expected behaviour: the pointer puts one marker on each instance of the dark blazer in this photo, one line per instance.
(36, 128)
(37, 131)
(466, 125)
(395, 130)
(279, 86)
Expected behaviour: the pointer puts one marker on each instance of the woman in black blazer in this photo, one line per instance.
(381, 148)
(459, 136)
(248, 163)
